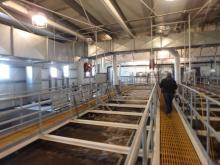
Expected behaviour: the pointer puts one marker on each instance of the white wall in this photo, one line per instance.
(32, 46)
(5, 45)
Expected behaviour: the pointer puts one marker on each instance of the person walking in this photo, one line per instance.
(168, 87)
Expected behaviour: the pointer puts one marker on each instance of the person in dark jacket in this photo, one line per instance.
(168, 87)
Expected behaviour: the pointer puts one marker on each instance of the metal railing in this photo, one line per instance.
(32, 108)
(134, 80)
(142, 139)
(196, 108)
(208, 80)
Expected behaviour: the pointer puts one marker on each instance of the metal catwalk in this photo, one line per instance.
(175, 145)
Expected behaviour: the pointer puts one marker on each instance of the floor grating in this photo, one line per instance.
(176, 147)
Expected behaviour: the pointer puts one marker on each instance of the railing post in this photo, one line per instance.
(191, 111)
(152, 115)
(183, 93)
(40, 113)
(144, 146)
(71, 100)
(21, 109)
(208, 132)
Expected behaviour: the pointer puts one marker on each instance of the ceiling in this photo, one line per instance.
(135, 14)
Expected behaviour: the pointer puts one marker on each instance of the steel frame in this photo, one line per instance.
(87, 144)
(124, 100)
(105, 123)
(124, 105)
(115, 112)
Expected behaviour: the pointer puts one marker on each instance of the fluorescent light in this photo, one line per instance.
(66, 71)
(4, 72)
(53, 72)
(39, 20)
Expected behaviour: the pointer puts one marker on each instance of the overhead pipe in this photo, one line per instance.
(116, 15)
(201, 9)
(65, 29)
(148, 7)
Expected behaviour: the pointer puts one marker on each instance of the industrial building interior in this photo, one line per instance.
(79, 82)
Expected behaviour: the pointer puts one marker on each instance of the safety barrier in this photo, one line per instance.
(191, 102)
(31, 108)
(142, 139)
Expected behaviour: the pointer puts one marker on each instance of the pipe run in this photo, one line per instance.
(117, 17)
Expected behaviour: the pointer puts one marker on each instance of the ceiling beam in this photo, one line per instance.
(118, 8)
(112, 10)
(148, 7)
(77, 7)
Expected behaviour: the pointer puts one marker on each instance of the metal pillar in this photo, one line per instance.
(177, 69)
(115, 73)
(176, 65)
(189, 28)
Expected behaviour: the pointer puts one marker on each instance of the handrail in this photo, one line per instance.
(67, 96)
(134, 150)
(199, 93)
(40, 92)
(194, 114)
(204, 122)
(48, 89)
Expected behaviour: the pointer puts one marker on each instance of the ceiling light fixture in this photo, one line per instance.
(39, 20)
(14, 5)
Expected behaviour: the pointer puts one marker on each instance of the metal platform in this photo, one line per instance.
(143, 132)
(176, 147)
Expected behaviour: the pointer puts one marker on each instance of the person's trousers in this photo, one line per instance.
(168, 97)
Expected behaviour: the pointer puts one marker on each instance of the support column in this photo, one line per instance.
(176, 65)
(177, 69)
(114, 71)
(103, 65)
(189, 28)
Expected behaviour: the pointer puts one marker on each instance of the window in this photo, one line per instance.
(29, 72)
(53, 72)
(87, 74)
(66, 71)
(91, 73)
(4, 72)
